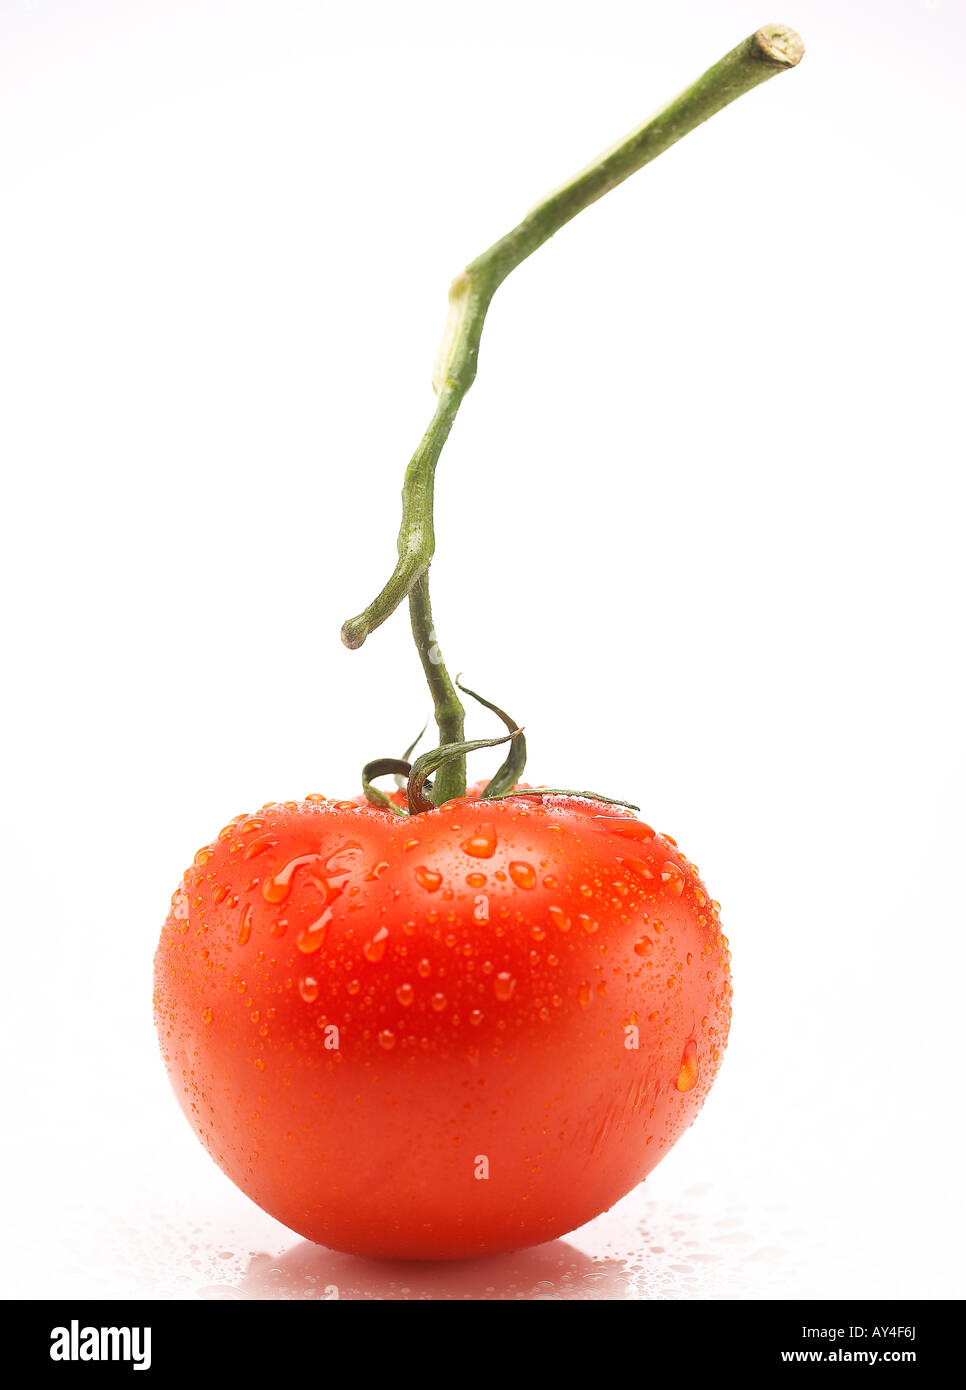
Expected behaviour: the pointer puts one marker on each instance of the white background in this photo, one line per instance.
(699, 528)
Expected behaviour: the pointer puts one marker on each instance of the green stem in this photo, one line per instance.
(451, 778)
(772, 49)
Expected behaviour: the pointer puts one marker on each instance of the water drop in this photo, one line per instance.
(630, 830)
(245, 928)
(688, 1074)
(504, 985)
(482, 843)
(523, 874)
(427, 878)
(673, 879)
(375, 949)
(310, 938)
(260, 845)
(309, 988)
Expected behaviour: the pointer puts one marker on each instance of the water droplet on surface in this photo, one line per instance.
(424, 969)
(207, 1015)
(387, 1039)
(482, 843)
(310, 938)
(202, 857)
(644, 947)
(673, 879)
(637, 867)
(375, 949)
(630, 830)
(438, 1002)
(523, 874)
(260, 845)
(476, 880)
(405, 994)
(427, 878)
(504, 985)
(688, 1074)
(559, 918)
(584, 996)
(309, 988)
(276, 888)
(245, 927)
(476, 1017)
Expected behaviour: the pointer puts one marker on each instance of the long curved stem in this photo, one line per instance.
(770, 50)
(451, 778)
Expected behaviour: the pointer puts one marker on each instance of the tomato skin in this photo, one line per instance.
(414, 1037)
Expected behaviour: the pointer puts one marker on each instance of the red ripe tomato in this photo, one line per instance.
(450, 1035)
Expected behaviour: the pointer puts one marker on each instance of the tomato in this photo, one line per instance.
(442, 1036)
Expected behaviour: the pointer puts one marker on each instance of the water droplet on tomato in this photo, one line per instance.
(559, 918)
(405, 994)
(482, 843)
(427, 878)
(688, 1074)
(309, 988)
(424, 969)
(375, 948)
(630, 830)
(438, 1002)
(504, 985)
(523, 874)
(584, 996)
(637, 867)
(673, 879)
(476, 1017)
(644, 947)
(276, 888)
(310, 938)
(387, 1039)
(476, 880)
(202, 857)
(260, 845)
(245, 927)
(207, 1015)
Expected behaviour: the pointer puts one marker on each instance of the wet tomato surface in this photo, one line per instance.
(444, 1036)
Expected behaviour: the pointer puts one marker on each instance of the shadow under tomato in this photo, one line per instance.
(552, 1271)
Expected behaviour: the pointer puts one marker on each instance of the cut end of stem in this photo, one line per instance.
(354, 633)
(780, 45)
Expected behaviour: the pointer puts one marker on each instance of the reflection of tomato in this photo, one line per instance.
(459, 1033)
